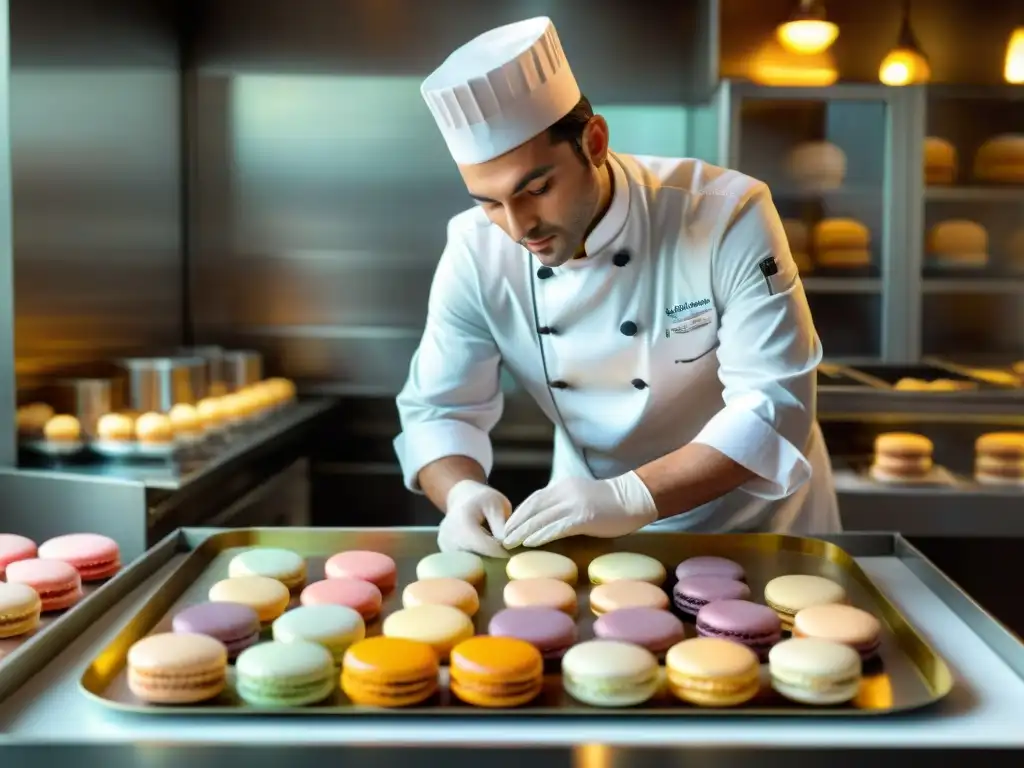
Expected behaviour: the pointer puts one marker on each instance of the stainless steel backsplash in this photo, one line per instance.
(320, 187)
(96, 166)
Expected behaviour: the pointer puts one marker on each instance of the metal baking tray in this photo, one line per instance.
(890, 374)
(831, 375)
(908, 676)
(50, 630)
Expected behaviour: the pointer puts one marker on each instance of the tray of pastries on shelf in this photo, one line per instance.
(128, 434)
(927, 377)
(999, 160)
(836, 245)
(906, 458)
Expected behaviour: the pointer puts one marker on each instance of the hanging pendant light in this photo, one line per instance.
(906, 64)
(807, 31)
(1014, 71)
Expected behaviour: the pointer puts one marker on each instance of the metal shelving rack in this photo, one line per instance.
(915, 304)
(888, 296)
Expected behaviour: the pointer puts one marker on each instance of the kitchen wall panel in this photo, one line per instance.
(96, 166)
(320, 187)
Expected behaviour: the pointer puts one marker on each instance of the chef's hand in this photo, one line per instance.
(578, 506)
(469, 505)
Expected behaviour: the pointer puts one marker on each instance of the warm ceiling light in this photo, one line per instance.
(1014, 71)
(774, 65)
(906, 64)
(807, 31)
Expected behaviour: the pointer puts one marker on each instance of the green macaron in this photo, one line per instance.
(291, 674)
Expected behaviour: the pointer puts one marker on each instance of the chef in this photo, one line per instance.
(649, 305)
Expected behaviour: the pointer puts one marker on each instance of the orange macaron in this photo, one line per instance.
(496, 671)
(389, 672)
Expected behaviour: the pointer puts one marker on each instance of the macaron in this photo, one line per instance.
(58, 584)
(651, 628)
(840, 624)
(96, 557)
(389, 672)
(267, 596)
(812, 671)
(491, 671)
(293, 674)
(452, 565)
(756, 626)
(19, 609)
(539, 564)
(452, 592)
(169, 668)
(352, 593)
(540, 593)
(374, 567)
(790, 594)
(282, 564)
(235, 625)
(626, 593)
(549, 630)
(335, 627)
(609, 673)
(439, 626)
(630, 566)
(710, 672)
(694, 592)
(14, 547)
(710, 566)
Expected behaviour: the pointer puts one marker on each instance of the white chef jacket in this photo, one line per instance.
(686, 321)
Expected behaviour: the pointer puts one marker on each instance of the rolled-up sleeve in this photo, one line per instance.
(452, 397)
(768, 353)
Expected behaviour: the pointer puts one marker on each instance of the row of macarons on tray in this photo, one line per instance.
(281, 657)
(184, 422)
(908, 457)
(47, 578)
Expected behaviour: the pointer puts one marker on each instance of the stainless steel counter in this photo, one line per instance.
(48, 715)
(138, 505)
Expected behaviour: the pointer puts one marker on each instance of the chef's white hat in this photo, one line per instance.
(500, 90)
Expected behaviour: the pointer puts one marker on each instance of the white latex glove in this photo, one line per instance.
(469, 505)
(581, 507)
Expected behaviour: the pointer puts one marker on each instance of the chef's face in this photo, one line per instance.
(544, 194)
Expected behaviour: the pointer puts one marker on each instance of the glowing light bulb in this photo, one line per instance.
(807, 35)
(903, 66)
(1014, 71)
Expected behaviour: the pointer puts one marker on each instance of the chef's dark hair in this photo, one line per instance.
(570, 128)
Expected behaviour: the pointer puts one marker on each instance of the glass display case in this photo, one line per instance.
(828, 156)
(972, 240)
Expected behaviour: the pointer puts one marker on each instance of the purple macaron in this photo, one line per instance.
(756, 626)
(694, 592)
(234, 624)
(549, 630)
(654, 629)
(710, 566)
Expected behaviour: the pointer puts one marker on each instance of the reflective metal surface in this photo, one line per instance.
(95, 148)
(242, 368)
(160, 383)
(8, 387)
(909, 676)
(86, 398)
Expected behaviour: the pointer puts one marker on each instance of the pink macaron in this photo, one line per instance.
(58, 584)
(361, 596)
(14, 547)
(95, 557)
(364, 565)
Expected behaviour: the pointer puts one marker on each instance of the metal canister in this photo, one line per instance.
(242, 367)
(216, 378)
(159, 383)
(86, 398)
